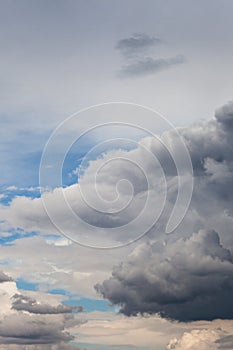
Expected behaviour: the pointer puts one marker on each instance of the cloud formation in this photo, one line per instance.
(4, 277)
(136, 43)
(183, 278)
(151, 65)
(202, 339)
(196, 340)
(27, 324)
(206, 229)
(26, 303)
(139, 57)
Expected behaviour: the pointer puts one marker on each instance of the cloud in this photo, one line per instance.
(27, 329)
(61, 346)
(137, 43)
(26, 303)
(181, 280)
(210, 215)
(225, 342)
(42, 326)
(139, 57)
(185, 276)
(203, 339)
(4, 277)
(196, 340)
(151, 65)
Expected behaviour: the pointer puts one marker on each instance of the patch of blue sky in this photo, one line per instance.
(83, 151)
(88, 304)
(26, 285)
(8, 238)
(59, 291)
(23, 171)
(6, 262)
(10, 192)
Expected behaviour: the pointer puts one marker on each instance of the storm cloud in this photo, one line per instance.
(158, 277)
(189, 276)
(181, 280)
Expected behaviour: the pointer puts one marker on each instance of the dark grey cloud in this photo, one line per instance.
(4, 277)
(150, 65)
(25, 303)
(225, 342)
(224, 115)
(185, 280)
(190, 276)
(28, 329)
(139, 42)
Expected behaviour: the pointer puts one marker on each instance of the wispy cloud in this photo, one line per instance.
(150, 65)
(140, 58)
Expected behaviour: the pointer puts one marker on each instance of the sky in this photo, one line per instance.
(116, 203)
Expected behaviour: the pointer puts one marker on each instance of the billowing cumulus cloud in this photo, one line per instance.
(176, 288)
(204, 339)
(28, 324)
(181, 280)
(196, 340)
(189, 278)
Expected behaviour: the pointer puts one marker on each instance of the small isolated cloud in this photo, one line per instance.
(139, 57)
(137, 43)
(151, 65)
